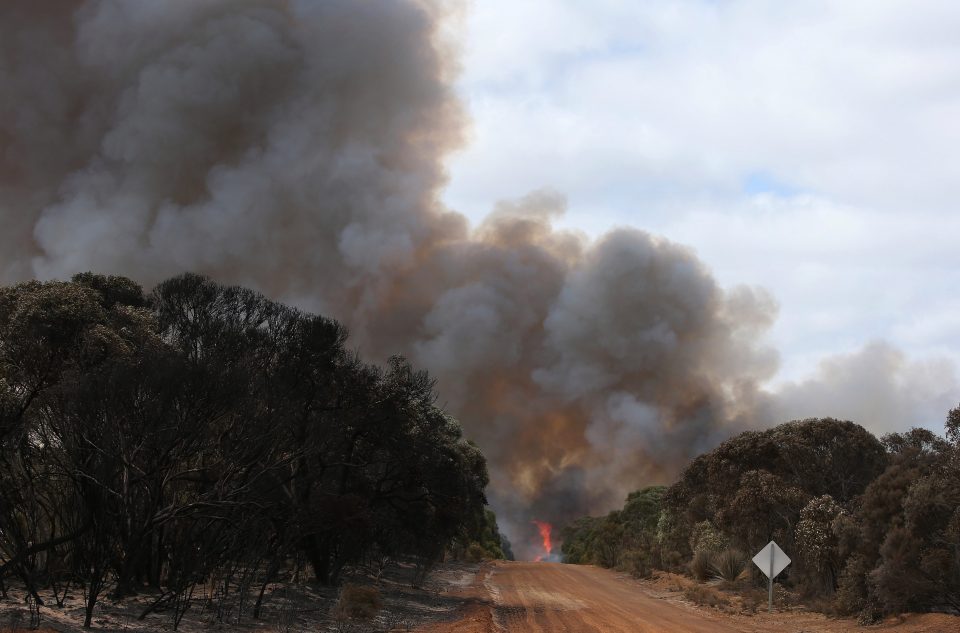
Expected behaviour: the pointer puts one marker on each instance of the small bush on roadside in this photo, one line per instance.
(706, 596)
(752, 601)
(853, 594)
(476, 553)
(637, 563)
(672, 560)
(701, 565)
(869, 616)
(358, 603)
(822, 604)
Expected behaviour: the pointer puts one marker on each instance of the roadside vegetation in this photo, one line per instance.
(204, 436)
(872, 525)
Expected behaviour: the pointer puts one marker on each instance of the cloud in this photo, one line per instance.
(691, 97)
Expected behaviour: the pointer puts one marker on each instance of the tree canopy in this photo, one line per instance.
(157, 438)
(871, 524)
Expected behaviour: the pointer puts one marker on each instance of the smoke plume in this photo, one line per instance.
(877, 385)
(297, 147)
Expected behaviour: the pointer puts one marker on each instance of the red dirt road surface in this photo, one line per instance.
(518, 597)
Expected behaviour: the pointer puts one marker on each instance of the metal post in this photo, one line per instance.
(770, 605)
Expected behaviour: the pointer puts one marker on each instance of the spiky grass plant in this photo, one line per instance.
(729, 565)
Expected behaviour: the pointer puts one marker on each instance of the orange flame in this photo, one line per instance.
(545, 529)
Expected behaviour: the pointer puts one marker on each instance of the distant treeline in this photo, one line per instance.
(872, 526)
(203, 431)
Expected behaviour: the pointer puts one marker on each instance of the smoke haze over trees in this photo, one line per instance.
(204, 431)
(297, 148)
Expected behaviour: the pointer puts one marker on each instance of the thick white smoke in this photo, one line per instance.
(297, 147)
(878, 385)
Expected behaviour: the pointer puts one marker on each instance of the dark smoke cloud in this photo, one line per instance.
(297, 147)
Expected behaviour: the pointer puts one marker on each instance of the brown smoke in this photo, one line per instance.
(298, 147)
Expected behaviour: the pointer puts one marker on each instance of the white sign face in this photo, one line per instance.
(780, 560)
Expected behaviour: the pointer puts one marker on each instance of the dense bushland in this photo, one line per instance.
(872, 526)
(204, 434)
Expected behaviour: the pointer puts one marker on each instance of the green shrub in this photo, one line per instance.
(638, 563)
(705, 536)
(476, 553)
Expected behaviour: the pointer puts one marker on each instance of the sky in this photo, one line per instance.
(811, 148)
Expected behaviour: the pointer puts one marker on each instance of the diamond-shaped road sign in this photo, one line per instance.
(771, 560)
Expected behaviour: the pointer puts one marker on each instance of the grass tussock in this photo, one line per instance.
(730, 565)
(701, 566)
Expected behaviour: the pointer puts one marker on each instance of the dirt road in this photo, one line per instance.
(514, 597)
(554, 597)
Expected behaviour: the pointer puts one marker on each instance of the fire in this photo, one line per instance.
(545, 530)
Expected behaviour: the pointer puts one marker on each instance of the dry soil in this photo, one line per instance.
(519, 597)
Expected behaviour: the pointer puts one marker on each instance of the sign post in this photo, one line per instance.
(771, 560)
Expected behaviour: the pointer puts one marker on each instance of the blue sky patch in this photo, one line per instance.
(758, 182)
